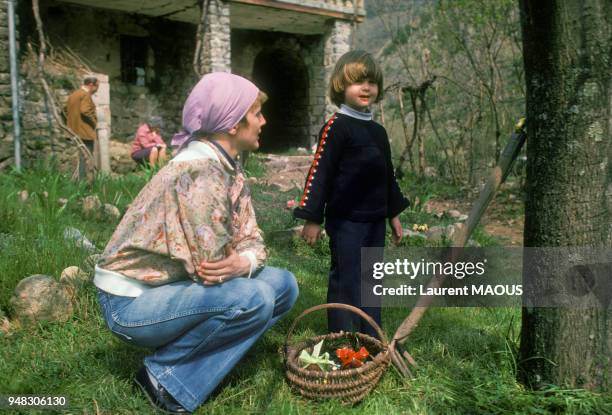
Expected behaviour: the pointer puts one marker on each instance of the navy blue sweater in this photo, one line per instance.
(351, 176)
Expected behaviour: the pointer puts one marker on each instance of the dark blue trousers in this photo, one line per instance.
(346, 276)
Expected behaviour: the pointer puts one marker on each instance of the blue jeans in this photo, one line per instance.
(199, 332)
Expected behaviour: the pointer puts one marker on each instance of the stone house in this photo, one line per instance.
(145, 51)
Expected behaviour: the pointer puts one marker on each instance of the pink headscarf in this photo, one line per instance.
(216, 104)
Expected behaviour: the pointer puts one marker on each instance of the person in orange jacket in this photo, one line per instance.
(81, 116)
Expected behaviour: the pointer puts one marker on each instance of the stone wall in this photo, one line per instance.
(318, 54)
(6, 115)
(94, 36)
(217, 38)
(337, 43)
(40, 136)
(172, 78)
(290, 69)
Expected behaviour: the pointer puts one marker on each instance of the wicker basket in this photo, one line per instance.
(348, 385)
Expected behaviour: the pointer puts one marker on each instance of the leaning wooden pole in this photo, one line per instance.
(200, 34)
(498, 176)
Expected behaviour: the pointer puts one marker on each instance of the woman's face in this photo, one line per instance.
(361, 95)
(247, 136)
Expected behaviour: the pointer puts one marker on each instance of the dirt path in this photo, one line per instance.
(495, 220)
(286, 172)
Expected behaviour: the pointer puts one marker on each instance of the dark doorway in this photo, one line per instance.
(133, 51)
(283, 76)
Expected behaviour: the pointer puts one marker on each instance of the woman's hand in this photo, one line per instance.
(311, 232)
(396, 229)
(217, 272)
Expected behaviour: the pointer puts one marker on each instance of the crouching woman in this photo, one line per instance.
(183, 273)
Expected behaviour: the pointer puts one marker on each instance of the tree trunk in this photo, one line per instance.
(567, 47)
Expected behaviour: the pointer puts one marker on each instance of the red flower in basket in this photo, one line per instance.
(348, 357)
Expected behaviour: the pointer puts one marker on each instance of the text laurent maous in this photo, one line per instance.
(441, 291)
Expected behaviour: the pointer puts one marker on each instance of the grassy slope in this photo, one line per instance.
(465, 355)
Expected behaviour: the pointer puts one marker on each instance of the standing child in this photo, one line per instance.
(352, 187)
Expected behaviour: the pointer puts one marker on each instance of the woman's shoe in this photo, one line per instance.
(158, 395)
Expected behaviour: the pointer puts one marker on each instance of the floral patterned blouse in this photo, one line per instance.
(191, 209)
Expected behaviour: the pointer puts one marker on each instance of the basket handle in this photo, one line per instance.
(340, 306)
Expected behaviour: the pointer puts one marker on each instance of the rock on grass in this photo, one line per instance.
(111, 212)
(73, 279)
(40, 298)
(5, 325)
(92, 206)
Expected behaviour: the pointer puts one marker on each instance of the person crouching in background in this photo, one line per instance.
(148, 146)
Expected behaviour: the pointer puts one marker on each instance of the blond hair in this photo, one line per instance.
(352, 67)
(261, 98)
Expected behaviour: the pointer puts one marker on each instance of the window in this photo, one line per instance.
(133, 59)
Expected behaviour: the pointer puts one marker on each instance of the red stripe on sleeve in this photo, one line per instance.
(315, 161)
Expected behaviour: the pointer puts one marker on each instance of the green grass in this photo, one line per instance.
(466, 356)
